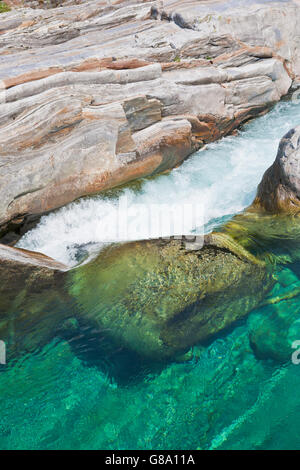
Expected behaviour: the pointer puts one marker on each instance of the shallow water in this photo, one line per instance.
(237, 392)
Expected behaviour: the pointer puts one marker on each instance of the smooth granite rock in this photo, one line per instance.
(96, 94)
(279, 190)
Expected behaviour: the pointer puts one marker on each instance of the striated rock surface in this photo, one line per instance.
(279, 190)
(11, 256)
(97, 94)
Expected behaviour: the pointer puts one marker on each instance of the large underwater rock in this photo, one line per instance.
(159, 298)
(94, 95)
(156, 298)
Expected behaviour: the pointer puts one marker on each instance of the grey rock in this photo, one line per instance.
(88, 96)
(279, 190)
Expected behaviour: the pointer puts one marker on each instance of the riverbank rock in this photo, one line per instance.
(159, 298)
(31, 289)
(21, 269)
(96, 95)
(279, 190)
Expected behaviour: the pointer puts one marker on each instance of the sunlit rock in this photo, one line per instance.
(279, 190)
(80, 115)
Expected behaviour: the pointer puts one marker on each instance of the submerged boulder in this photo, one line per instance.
(156, 298)
(159, 298)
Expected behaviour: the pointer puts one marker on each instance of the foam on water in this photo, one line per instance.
(222, 178)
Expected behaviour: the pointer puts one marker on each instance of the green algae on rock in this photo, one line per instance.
(4, 7)
(272, 238)
(158, 298)
(155, 297)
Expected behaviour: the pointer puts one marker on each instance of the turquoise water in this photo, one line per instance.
(240, 391)
(225, 398)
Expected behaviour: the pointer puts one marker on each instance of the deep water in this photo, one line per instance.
(240, 391)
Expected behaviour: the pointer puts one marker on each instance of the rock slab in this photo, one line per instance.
(95, 95)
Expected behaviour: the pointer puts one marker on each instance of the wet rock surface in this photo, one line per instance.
(279, 190)
(32, 287)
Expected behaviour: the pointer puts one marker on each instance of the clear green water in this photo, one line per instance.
(238, 392)
(225, 398)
